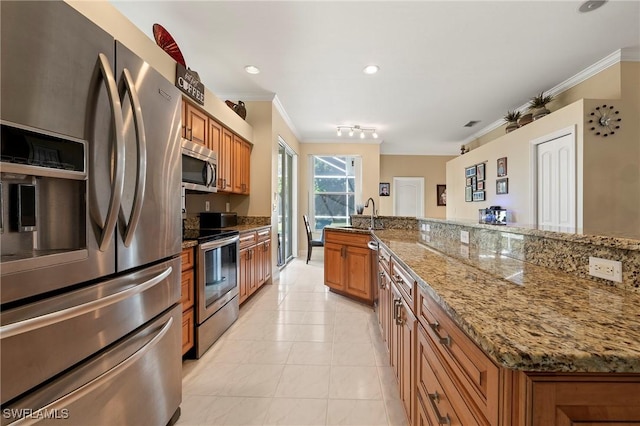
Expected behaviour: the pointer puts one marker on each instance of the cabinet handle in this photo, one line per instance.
(398, 278)
(434, 399)
(381, 280)
(397, 303)
(443, 340)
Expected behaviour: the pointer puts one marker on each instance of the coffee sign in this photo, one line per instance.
(189, 83)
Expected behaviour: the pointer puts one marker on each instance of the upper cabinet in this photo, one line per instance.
(233, 152)
(196, 125)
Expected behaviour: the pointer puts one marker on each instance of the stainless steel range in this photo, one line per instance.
(217, 285)
(90, 322)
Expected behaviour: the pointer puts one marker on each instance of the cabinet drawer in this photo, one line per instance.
(384, 259)
(187, 259)
(264, 234)
(347, 238)
(248, 239)
(465, 361)
(187, 330)
(441, 399)
(405, 282)
(187, 289)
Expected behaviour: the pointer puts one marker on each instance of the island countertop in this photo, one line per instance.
(525, 317)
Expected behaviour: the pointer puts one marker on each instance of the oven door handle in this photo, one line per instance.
(219, 243)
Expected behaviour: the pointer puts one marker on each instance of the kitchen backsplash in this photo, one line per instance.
(565, 252)
(194, 222)
(385, 222)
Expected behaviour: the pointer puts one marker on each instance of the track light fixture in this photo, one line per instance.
(357, 129)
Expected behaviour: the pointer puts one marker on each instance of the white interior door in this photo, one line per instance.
(408, 196)
(556, 183)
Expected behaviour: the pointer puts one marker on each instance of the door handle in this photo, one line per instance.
(443, 340)
(45, 320)
(103, 69)
(397, 303)
(141, 142)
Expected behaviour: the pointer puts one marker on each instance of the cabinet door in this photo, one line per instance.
(333, 269)
(236, 165)
(188, 330)
(266, 260)
(358, 272)
(245, 274)
(187, 289)
(224, 161)
(215, 137)
(407, 351)
(395, 333)
(245, 169)
(258, 254)
(197, 123)
(252, 283)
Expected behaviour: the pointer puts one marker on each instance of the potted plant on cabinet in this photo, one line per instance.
(538, 105)
(512, 118)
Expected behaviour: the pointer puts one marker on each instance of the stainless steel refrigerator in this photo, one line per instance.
(90, 322)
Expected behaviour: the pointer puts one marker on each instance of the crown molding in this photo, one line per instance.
(604, 63)
(247, 97)
(285, 117)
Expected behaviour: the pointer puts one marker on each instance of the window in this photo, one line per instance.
(335, 188)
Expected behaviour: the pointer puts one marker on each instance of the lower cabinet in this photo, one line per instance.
(187, 287)
(444, 378)
(348, 263)
(255, 261)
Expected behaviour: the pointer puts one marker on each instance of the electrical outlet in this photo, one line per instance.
(604, 268)
(206, 206)
(464, 237)
(427, 227)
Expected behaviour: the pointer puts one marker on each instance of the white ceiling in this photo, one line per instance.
(442, 63)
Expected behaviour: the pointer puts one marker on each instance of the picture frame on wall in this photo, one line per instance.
(468, 194)
(441, 194)
(470, 171)
(480, 171)
(480, 185)
(468, 181)
(384, 189)
(502, 186)
(474, 183)
(478, 196)
(501, 166)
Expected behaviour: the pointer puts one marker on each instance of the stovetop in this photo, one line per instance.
(204, 235)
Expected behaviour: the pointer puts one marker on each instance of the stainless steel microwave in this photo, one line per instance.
(199, 167)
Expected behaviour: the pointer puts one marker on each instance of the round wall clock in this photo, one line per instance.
(604, 120)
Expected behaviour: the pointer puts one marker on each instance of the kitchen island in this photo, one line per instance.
(477, 337)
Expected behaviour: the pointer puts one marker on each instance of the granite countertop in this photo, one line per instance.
(524, 316)
(189, 236)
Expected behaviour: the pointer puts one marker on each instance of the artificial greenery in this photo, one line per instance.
(512, 116)
(540, 101)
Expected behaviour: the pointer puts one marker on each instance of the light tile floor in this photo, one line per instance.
(298, 355)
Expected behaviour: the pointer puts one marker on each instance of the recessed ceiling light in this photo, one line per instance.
(590, 5)
(252, 69)
(371, 69)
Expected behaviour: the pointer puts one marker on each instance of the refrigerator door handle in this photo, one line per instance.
(96, 382)
(45, 320)
(117, 183)
(141, 140)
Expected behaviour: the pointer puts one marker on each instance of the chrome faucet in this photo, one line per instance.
(373, 210)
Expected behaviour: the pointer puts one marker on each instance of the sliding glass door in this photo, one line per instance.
(286, 208)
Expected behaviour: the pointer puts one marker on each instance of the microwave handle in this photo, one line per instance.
(213, 167)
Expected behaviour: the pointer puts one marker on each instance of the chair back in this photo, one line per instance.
(307, 227)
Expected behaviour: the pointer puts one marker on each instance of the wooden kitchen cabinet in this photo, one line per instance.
(197, 123)
(347, 264)
(187, 290)
(579, 399)
(215, 137)
(225, 157)
(402, 349)
(245, 167)
(255, 261)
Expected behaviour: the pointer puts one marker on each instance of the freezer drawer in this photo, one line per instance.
(42, 339)
(135, 382)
